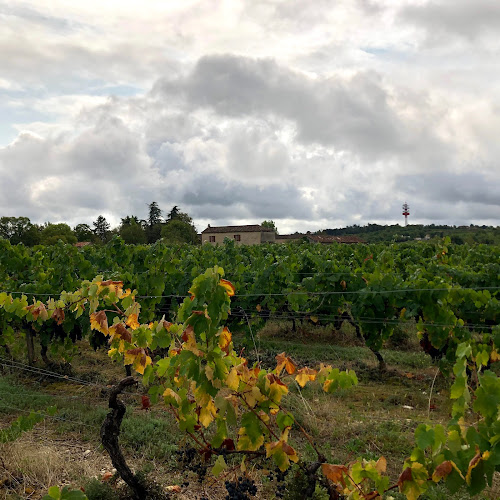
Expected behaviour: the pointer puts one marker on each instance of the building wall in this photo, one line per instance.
(246, 238)
(268, 236)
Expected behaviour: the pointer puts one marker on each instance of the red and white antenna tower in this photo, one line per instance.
(406, 212)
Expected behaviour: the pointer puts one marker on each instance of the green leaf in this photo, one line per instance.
(424, 436)
(284, 420)
(464, 350)
(219, 466)
(54, 492)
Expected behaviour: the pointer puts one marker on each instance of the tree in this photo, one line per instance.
(270, 224)
(131, 219)
(174, 213)
(133, 233)
(19, 230)
(154, 214)
(101, 228)
(83, 232)
(177, 231)
(153, 231)
(52, 233)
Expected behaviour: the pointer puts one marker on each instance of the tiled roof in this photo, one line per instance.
(82, 244)
(290, 236)
(335, 239)
(253, 228)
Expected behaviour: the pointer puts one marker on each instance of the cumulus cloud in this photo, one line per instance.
(314, 115)
(356, 114)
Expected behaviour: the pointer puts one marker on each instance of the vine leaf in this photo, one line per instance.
(335, 473)
(442, 471)
(305, 375)
(122, 332)
(99, 322)
(285, 362)
(228, 286)
(225, 339)
(133, 322)
(58, 316)
(219, 466)
(282, 453)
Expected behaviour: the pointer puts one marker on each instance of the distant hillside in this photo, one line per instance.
(462, 234)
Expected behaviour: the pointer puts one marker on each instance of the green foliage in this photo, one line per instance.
(269, 224)
(102, 228)
(154, 216)
(449, 292)
(23, 424)
(375, 233)
(176, 231)
(83, 232)
(19, 230)
(133, 233)
(65, 494)
(52, 233)
(98, 490)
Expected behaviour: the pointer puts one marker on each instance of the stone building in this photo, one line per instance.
(242, 235)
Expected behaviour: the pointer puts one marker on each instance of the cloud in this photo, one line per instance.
(462, 18)
(312, 114)
(355, 114)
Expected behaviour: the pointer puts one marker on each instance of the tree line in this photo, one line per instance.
(377, 233)
(175, 227)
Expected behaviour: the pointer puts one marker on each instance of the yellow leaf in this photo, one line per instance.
(113, 286)
(252, 396)
(233, 380)
(381, 465)
(285, 362)
(141, 363)
(228, 286)
(122, 294)
(207, 413)
(209, 372)
(305, 375)
(494, 356)
(132, 321)
(277, 388)
(225, 339)
(99, 322)
(245, 443)
(170, 394)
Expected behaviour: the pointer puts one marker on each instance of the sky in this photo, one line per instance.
(313, 114)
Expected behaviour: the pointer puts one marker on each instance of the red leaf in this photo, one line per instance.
(228, 444)
(146, 403)
(405, 476)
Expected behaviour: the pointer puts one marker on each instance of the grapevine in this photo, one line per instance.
(211, 390)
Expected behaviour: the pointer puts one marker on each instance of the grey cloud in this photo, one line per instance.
(452, 188)
(271, 202)
(353, 114)
(465, 18)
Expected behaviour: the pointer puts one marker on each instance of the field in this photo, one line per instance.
(359, 310)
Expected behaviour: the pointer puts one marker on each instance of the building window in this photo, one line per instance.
(237, 237)
(211, 239)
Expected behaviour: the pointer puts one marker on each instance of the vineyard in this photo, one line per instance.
(250, 366)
